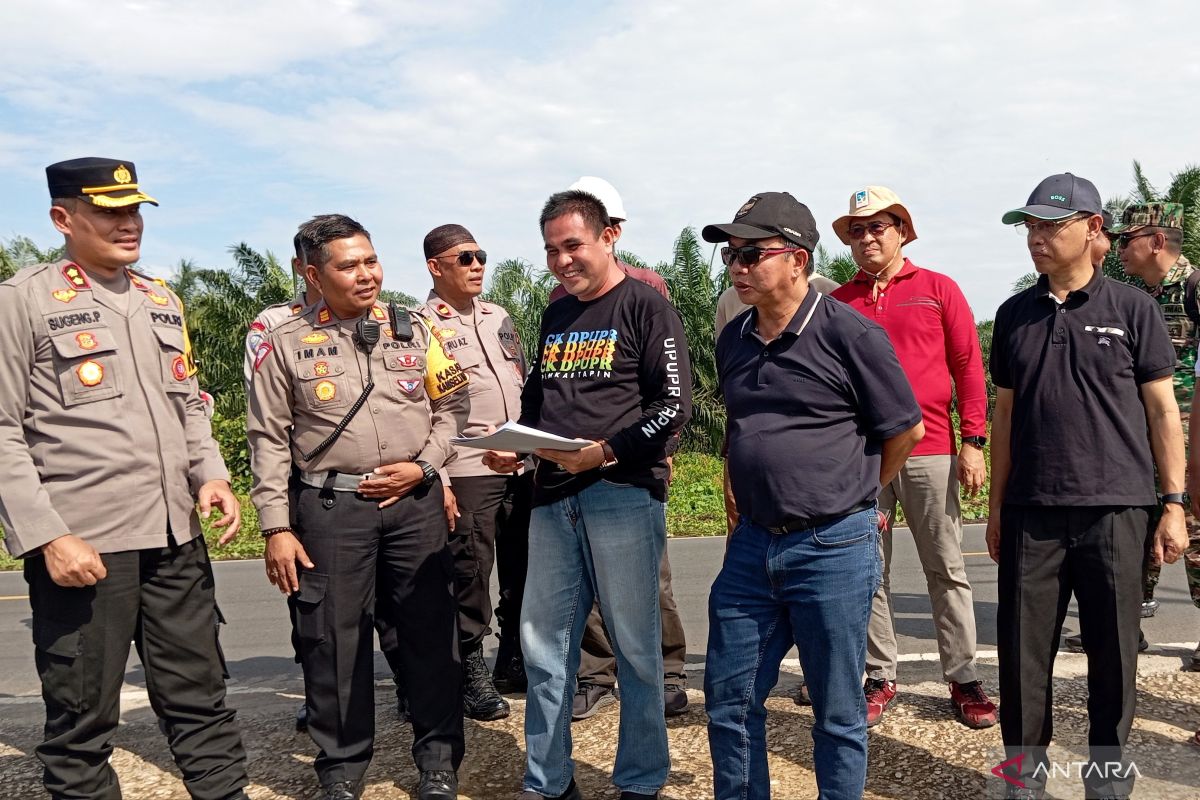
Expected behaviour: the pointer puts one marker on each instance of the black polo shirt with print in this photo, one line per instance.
(1079, 431)
(808, 411)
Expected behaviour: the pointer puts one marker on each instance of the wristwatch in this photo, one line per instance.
(1173, 497)
(978, 441)
(428, 471)
(610, 458)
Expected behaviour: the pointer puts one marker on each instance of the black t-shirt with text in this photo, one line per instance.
(613, 368)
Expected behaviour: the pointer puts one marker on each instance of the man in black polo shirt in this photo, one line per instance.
(820, 416)
(1082, 367)
(613, 369)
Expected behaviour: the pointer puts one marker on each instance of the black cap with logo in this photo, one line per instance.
(104, 182)
(1057, 197)
(769, 214)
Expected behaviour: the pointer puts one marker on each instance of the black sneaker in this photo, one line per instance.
(590, 698)
(675, 699)
(481, 701)
(302, 718)
(340, 790)
(802, 697)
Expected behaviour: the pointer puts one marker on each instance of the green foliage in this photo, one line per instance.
(524, 292)
(21, 251)
(399, 298)
(838, 268)
(697, 502)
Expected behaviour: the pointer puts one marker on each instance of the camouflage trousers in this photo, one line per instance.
(1191, 556)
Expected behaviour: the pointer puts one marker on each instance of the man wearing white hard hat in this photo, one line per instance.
(932, 328)
(597, 676)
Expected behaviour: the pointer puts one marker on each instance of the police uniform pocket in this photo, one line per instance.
(86, 365)
(406, 374)
(310, 608)
(322, 384)
(174, 369)
(58, 653)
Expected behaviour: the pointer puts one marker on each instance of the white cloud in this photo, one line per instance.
(411, 116)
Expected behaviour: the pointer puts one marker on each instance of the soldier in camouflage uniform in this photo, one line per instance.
(1149, 239)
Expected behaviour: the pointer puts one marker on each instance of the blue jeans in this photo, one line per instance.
(606, 541)
(812, 587)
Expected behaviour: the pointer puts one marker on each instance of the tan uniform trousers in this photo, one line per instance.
(927, 490)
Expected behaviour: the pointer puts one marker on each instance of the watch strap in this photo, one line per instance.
(1173, 497)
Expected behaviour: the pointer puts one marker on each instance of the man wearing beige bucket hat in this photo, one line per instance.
(932, 328)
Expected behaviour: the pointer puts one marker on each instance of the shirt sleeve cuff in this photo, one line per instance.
(32, 536)
(274, 517)
(1155, 374)
(211, 470)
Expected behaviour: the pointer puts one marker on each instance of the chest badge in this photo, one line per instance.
(408, 387)
(1104, 340)
(316, 337)
(86, 341)
(179, 369)
(325, 391)
(157, 299)
(64, 295)
(90, 373)
(321, 368)
(408, 361)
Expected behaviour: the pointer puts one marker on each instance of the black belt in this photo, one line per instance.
(804, 523)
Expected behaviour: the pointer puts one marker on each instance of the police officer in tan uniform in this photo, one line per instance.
(105, 451)
(493, 510)
(362, 400)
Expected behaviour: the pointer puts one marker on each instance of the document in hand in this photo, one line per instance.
(520, 439)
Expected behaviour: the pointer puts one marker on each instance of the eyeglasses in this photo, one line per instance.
(751, 254)
(1125, 238)
(1046, 227)
(875, 228)
(467, 256)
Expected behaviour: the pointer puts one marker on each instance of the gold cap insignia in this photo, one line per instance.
(121, 175)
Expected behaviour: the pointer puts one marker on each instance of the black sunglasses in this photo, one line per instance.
(751, 254)
(467, 256)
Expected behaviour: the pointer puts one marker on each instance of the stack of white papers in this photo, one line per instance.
(520, 439)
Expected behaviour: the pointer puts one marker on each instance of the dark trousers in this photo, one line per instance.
(1046, 554)
(598, 664)
(473, 545)
(512, 553)
(163, 600)
(351, 541)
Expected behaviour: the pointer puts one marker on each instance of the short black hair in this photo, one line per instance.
(586, 205)
(316, 234)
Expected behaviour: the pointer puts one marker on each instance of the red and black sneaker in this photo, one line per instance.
(880, 696)
(971, 705)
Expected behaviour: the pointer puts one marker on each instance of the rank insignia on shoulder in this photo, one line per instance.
(64, 295)
(261, 354)
(296, 309)
(408, 387)
(179, 369)
(323, 316)
(75, 277)
(86, 341)
(257, 326)
(316, 337)
(90, 373)
(443, 310)
(325, 391)
(378, 313)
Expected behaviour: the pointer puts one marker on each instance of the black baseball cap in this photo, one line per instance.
(104, 182)
(1057, 197)
(768, 214)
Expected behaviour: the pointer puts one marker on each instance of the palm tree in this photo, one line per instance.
(220, 306)
(524, 292)
(21, 251)
(1184, 188)
(838, 268)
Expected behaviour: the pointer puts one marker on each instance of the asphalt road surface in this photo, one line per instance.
(256, 638)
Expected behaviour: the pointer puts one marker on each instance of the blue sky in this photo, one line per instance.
(245, 118)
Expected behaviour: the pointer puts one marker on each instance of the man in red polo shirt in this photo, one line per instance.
(933, 331)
